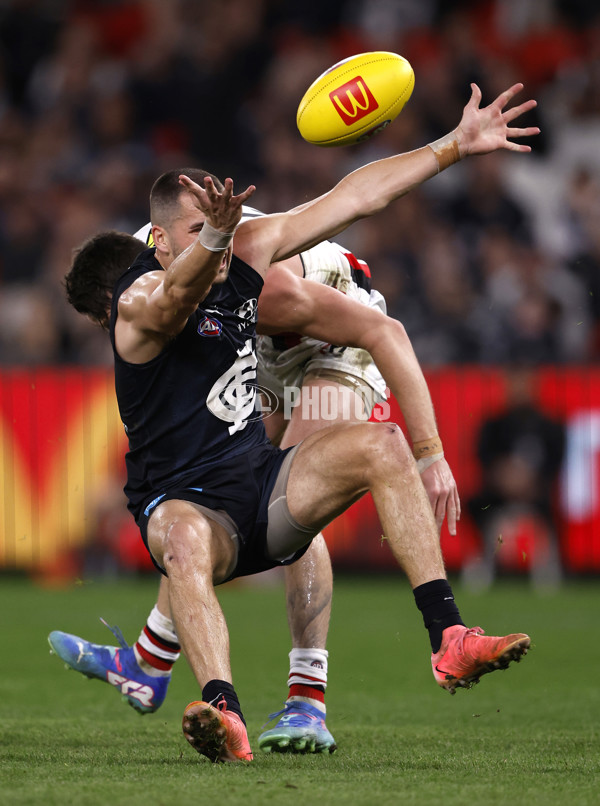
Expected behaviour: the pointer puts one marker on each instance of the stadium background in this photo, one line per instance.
(495, 262)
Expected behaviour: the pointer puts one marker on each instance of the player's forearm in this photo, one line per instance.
(395, 358)
(190, 276)
(479, 131)
(361, 194)
(372, 187)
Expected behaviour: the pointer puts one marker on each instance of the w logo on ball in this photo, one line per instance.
(353, 100)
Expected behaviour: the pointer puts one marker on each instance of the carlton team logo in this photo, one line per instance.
(353, 100)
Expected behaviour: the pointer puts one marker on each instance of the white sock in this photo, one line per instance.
(308, 670)
(157, 648)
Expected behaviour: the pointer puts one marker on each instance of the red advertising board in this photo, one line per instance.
(62, 447)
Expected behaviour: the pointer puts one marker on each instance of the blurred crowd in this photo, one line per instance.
(498, 259)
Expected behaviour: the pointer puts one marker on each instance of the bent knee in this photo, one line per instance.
(177, 542)
(183, 538)
(388, 446)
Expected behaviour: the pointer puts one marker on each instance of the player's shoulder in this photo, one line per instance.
(135, 300)
(143, 285)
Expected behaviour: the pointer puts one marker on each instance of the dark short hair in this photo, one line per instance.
(165, 193)
(97, 265)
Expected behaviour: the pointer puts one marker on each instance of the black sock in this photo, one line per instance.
(436, 602)
(216, 690)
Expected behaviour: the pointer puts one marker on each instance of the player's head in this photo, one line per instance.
(97, 265)
(176, 220)
(166, 192)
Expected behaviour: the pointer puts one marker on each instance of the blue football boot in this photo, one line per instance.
(301, 729)
(117, 666)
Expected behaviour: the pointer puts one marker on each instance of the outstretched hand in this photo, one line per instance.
(488, 129)
(442, 492)
(222, 209)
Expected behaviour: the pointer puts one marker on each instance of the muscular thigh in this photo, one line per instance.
(334, 467)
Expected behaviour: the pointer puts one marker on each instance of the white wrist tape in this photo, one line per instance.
(427, 461)
(213, 239)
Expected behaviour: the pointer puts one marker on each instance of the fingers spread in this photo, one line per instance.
(526, 132)
(247, 193)
(523, 149)
(185, 180)
(475, 98)
(507, 96)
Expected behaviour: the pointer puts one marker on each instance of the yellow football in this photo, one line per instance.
(355, 99)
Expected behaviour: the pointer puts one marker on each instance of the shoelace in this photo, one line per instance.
(117, 633)
(271, 717)
(463, 635)
(221, 705)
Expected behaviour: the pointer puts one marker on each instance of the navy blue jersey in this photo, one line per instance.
(192, 406)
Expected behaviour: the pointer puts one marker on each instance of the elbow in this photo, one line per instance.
(388, 332)
(282, 304)
(293, 308)
(396, 328)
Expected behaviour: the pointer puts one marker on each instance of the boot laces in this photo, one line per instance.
(221, 705)
(461, 639)
(117, 633)
(277, 713)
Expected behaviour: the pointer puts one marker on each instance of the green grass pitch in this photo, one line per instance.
(528, 735)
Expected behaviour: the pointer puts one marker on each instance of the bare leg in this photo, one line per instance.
(308, 586)
(162, 600)
(333, 468)
(309, 581)
(330, 470)
(197, 554)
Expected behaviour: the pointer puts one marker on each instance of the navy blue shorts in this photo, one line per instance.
(241, 487)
